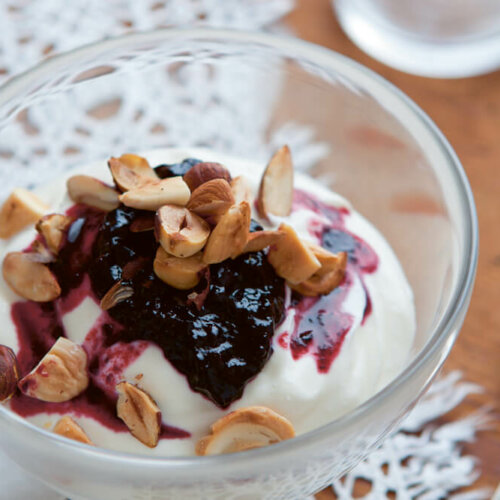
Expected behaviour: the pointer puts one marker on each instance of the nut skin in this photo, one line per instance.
(20, 209)
(276, 186)
(212, 199)
(143, 223)
(179, 231)
(152, 196)
(27, 276)
(180, 273)
(52, 228)
(204, 172)
(92, 192)
(130, 171)
(245, 429)
(291, 258)
(116, 294)
(230, 235)
(9, 373)
(139, 412)
(68, 428)
(60, 376)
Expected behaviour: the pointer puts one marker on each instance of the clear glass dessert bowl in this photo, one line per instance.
(245, 94)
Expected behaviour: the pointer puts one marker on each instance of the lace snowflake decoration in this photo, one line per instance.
(422, 461)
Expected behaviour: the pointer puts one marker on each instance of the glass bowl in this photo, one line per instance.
(246, 94)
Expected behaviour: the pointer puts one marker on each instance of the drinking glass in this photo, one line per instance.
(436, 38)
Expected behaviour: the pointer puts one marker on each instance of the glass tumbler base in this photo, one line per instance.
(406, 52)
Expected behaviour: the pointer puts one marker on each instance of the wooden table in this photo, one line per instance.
(468, 112)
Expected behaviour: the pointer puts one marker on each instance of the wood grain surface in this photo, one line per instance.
(468, 112)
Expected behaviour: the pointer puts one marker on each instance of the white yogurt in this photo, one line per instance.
(371, 355)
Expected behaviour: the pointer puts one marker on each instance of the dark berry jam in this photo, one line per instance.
(163, 171)
(219, 346)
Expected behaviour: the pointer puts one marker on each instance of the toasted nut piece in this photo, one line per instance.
(276, 187)
(245, 429)
(172, 190)
(116, 294)
(130, 171)
(211, 199)
(326, 279)
(259, 240)
(52, 228)
(291, 258)
(241, 190)
(29, 278)
(68, 428)
(40, 253)
(139, 412)
(179, 231)
(20, 209)
(9, 373)
(181, 273)
(203, 172)
(92, 192)
(329, 261)
(229, 237)
(60, 376)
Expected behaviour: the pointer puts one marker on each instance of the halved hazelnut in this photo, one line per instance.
(152, 196)
(30, 278)
(203, 172)
(328, 277)
(68, 428)
(9, 373)
(92, 192)
(229, 237)
(291, 258)
(245, 429)
(52, 228)
(212, 199)
(259, 240)
(20, 209)
(241, 190)
(179, 231)
(116, 294)
(180, 273)
(139, 412)
(60, 376)
(276, 187)
(130, 171)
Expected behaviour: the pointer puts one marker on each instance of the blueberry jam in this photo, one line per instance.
(218, 347)
(163, 171)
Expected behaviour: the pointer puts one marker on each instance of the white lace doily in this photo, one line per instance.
(421, 461)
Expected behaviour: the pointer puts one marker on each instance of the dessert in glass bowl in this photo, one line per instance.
(182, 301)
(240, 95)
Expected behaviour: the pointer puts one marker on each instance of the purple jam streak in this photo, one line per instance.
(320, 323)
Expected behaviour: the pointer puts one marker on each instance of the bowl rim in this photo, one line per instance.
(445, 330)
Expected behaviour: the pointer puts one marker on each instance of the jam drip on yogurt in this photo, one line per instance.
(321, 324)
